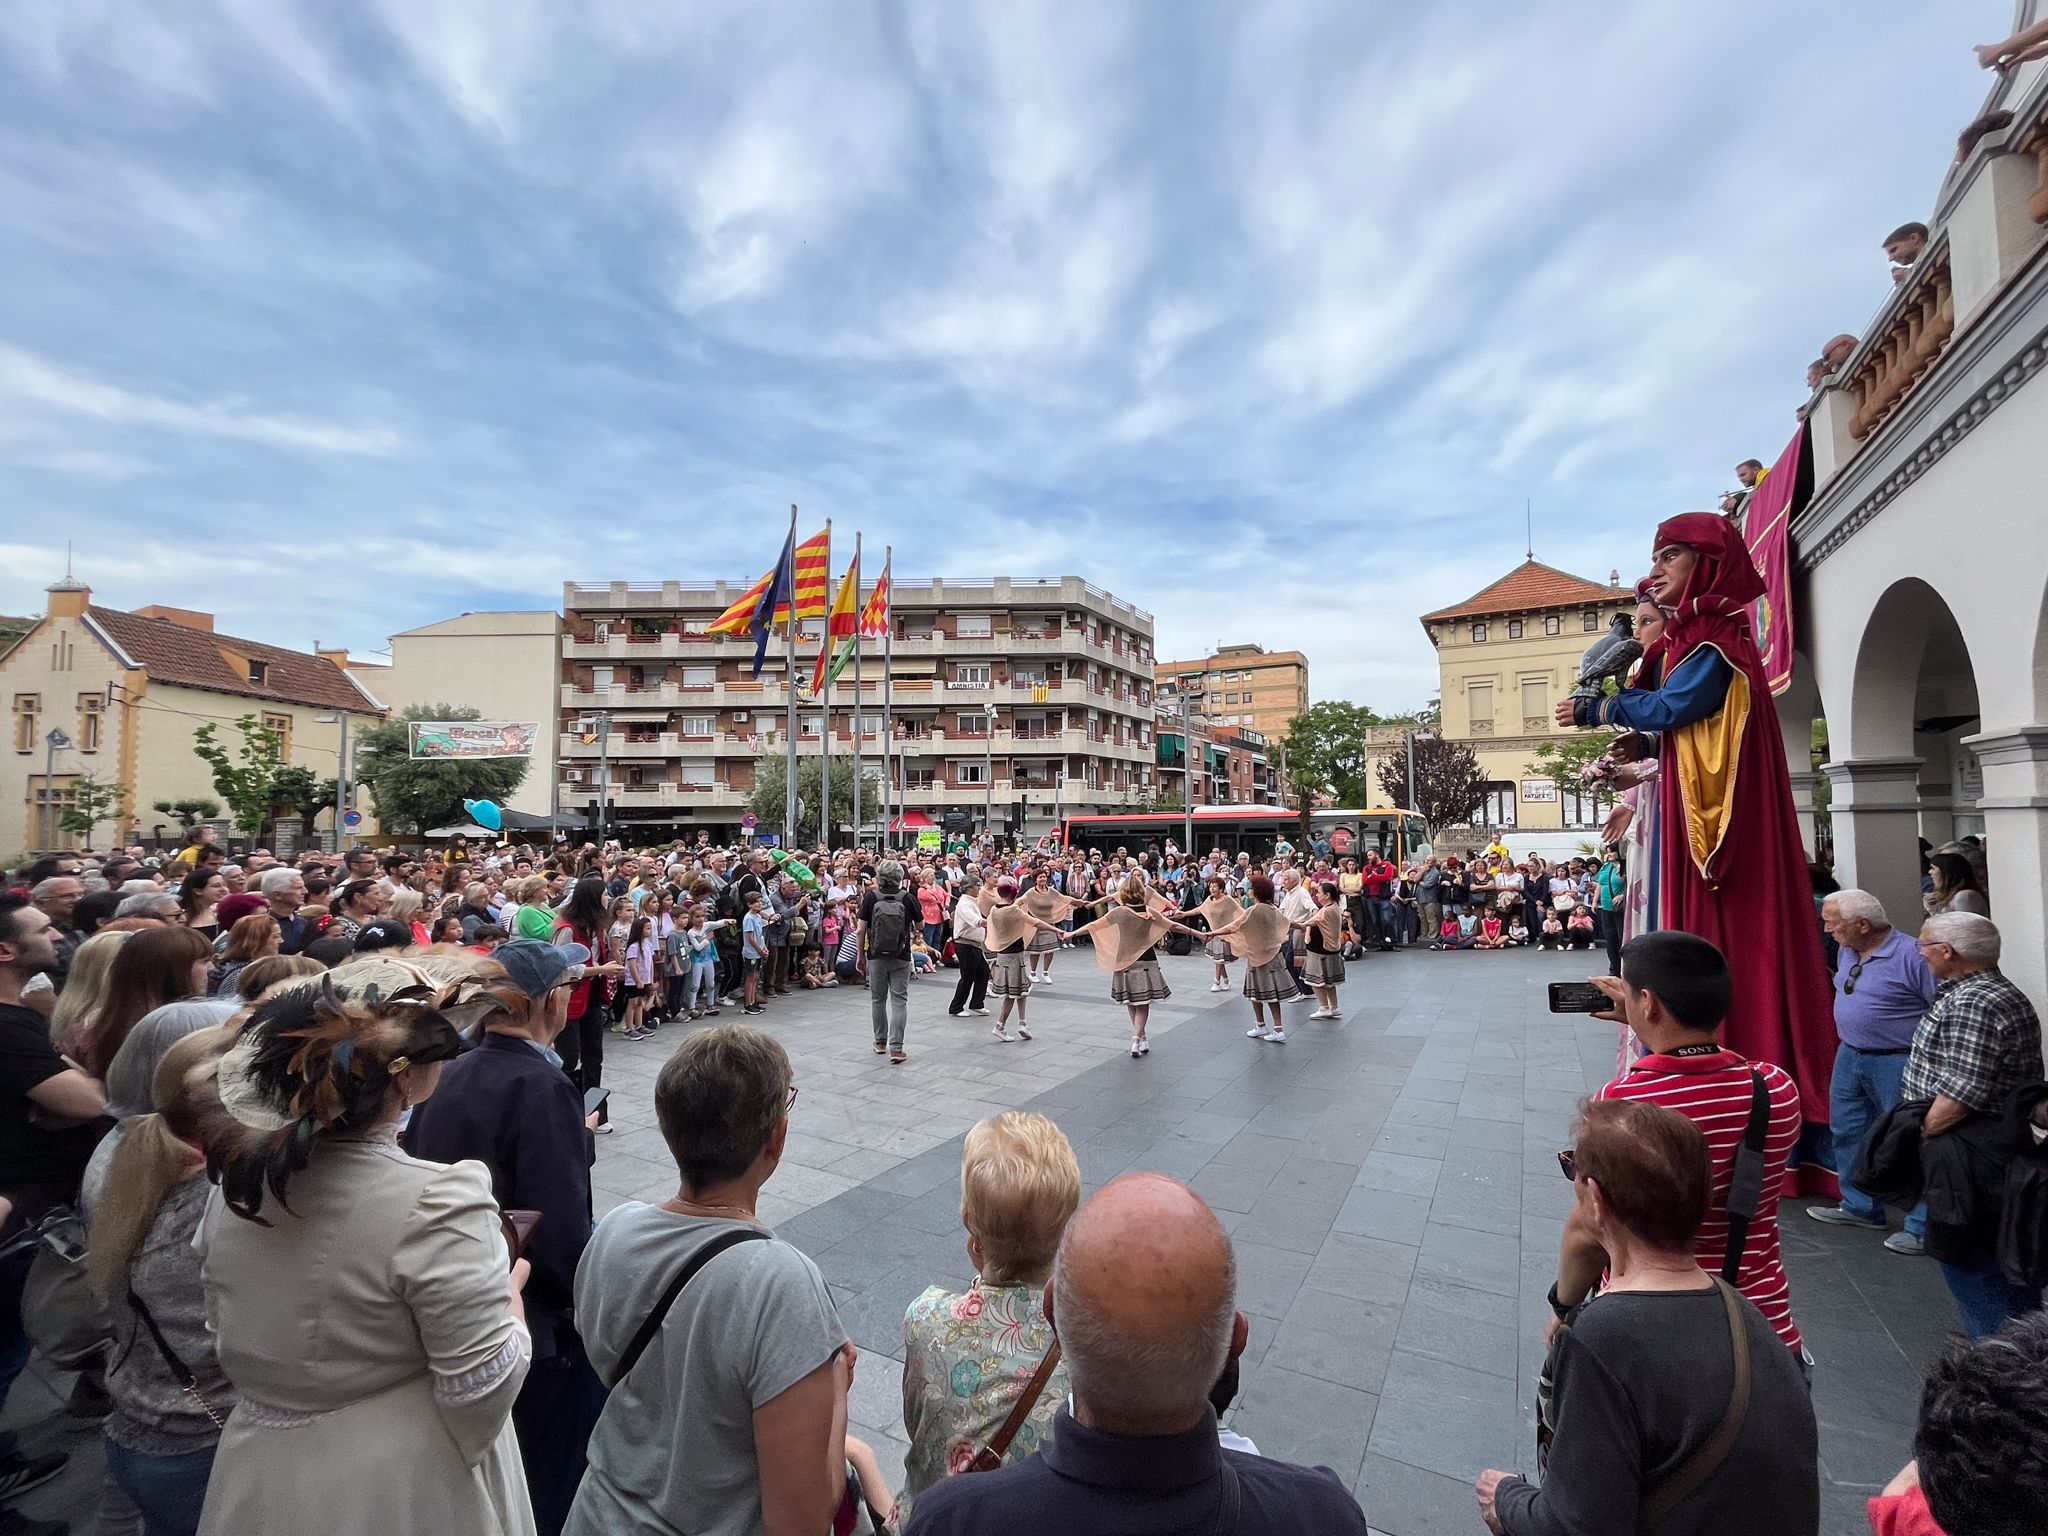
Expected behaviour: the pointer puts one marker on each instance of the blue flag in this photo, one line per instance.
(779, 593)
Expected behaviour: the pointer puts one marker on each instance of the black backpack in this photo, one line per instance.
(889, 927)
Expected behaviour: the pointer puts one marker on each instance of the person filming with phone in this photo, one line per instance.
(1673, 992)
(509, 1105)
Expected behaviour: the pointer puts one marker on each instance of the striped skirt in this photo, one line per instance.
(1269, 983)
(1320, 970)
(1219, 951)
(1042, 942)
(1006, 976)
(1140, 983)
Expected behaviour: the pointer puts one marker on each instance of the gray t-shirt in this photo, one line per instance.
(674, 1450)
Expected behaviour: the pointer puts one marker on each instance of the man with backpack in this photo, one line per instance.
(885, 924)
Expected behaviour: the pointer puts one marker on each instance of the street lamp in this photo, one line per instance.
(53, 743)
(341, 773)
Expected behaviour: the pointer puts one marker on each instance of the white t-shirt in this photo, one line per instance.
(968, 925)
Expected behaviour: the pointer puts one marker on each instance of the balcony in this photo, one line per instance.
(1915, 328)
(661, 796)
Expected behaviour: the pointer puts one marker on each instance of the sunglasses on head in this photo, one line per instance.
(1568, 1163)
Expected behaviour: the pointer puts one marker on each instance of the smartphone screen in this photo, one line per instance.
(1577, 997)
(593, 1104)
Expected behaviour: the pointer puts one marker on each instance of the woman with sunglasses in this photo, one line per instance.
(1667, 1401)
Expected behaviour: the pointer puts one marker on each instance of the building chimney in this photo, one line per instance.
(185, 618)
(69, 598)
(338, 654)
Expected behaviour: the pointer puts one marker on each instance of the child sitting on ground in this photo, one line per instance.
(1518, 934)
(1552, 936)
(1578, 929)
(923, 958)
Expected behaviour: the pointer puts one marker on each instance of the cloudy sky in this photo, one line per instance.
(340, 319)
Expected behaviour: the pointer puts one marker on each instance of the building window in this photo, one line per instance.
(1498, 808)
(696, 725)
(970, 773)
(1479, 707)
(1583, 809)
(974, 626)
(868, 725)
(259, 673)
(1514, 629)
(1589, 622)
(971, 676)
(1479, 634)
(1535, 699)
(697, 773)
(91, 714)
(971, 725)
(282, 724)
(807, 725)
(1553, 624)
(28, 708)
(700, 677)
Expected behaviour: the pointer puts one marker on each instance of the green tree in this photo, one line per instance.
(189, 813)
(1565, 757)
(414, 794)
(1449, 783)
(246, 775)
(93, 802)
(771, 779)
(1326, 753)
(301, 792)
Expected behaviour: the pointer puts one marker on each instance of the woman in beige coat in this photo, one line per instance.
(373, 1328)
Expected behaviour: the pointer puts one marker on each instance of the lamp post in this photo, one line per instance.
(56, 741)
(341, 778)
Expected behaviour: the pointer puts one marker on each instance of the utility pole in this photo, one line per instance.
(52, 744)
(1187, 773)
(604, 774)
(1412, 797)
(341, 778)
(988, 772)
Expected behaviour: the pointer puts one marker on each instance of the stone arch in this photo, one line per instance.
(1913, 666)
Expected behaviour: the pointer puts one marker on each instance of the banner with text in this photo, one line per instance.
(471, 738)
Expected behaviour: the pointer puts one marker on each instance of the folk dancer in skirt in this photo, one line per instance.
(1009, 925)
(1257, 936)
(1218, 911)
(1048, 906)
(1124, 938)
(1322, 967)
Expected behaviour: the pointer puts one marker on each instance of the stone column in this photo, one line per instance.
(1937, 793)
(1876, 817)
(1803, 784)
(2015, 807)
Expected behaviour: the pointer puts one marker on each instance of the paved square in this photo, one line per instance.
(1389, 1182)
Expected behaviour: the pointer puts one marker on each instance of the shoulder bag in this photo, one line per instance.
(60, 1310)
(188, 1382)
(990, 1456)
(1745, 1191)
(649, 1328)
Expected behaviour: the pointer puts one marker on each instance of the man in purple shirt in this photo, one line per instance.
(1882, 988)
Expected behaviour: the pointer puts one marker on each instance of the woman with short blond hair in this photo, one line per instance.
(968, 1357)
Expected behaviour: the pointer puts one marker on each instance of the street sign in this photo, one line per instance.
(770, 840)
(748, 821)
(351, 818)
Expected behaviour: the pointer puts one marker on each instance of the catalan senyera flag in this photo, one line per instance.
(813, 556)
(874, 614)
(839, 624)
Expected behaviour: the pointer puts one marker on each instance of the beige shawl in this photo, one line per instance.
(1264, 931)
(1331, 920)
(1006, 925)
(1219, 912)
(1047, 906)
(1125, 937)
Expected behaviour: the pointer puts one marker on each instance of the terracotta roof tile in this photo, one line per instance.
(1530, 585)
(191, 658)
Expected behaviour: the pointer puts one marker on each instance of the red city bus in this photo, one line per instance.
(1252, 829)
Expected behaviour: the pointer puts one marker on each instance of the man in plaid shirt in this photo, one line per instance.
(1980, 1041)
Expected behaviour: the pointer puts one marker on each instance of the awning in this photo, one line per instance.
(463, 829)
(913, 821)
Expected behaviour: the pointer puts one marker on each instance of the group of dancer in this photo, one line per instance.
(1024, 935)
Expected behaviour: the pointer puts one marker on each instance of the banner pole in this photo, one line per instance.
(789, 692)
(856, 689)
(891, 798)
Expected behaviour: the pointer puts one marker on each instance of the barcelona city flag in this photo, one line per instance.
(808, 580)
(839, 625)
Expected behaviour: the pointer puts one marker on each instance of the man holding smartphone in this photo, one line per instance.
(508, 1105)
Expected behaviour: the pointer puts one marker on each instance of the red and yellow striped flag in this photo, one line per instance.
(813, 556)
(838, 625)
(874, 614)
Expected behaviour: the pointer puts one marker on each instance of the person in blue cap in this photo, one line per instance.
(509, 1105)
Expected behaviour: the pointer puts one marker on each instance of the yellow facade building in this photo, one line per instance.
(1505, 656)
(123, 692)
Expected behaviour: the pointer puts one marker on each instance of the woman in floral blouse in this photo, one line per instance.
(967, 1357)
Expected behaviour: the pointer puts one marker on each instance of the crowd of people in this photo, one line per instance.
(293, 1102)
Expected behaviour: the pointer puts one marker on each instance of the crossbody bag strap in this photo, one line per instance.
(1745, 1190)
(648, 1329)
(1705, 1461)
(990, 1456)
(1231, 1505)
(188, 1382)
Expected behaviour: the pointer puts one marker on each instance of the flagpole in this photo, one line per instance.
(889, 795)
(856, 688)
(789, 690)
(825, 705)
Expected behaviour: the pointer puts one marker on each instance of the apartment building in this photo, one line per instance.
(1015, 701)
(1231, 763)
(1245, 685)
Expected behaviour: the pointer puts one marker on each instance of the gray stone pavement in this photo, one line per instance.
(1389, 1182)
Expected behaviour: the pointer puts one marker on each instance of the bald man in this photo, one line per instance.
(1143, 1297)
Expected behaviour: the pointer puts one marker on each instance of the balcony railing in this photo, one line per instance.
(1919, 326)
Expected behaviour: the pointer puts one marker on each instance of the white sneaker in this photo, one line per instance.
(1002, 1034)
(1144, 1047)
(1277, 1036)
(1022, 1032)
(1219, 986)
(1042, 981)
(1136, 1048)
(1256, 1032)
(979, 1013)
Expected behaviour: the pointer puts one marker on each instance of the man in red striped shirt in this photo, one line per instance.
(1674, 991)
